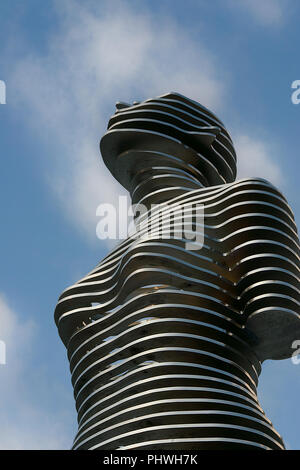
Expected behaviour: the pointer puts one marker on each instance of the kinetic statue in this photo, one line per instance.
(166, 343)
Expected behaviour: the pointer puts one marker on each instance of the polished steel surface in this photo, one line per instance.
(165, 344)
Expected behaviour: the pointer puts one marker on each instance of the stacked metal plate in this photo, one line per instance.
(166, 343)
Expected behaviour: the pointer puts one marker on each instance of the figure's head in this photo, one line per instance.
(170, 131)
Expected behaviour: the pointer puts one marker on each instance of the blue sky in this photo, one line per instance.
(65, 64)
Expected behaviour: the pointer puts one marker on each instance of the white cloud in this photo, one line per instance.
(254, 159)
(33, 429)
(265, 12)
(17, 337)
(26, 423)
(100, 55)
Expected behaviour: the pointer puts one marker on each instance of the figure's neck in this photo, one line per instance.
(162, 183)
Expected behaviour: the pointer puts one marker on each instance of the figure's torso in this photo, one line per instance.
(156, 333)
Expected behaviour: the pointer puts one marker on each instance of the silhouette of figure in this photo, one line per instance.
(166, 343)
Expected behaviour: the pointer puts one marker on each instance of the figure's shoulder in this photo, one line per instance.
(243, 191)
(253, 181)
(246, 191)
(252, 185)
(263, 190)
(261, 185)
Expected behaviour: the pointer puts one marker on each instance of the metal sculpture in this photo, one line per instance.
(166, 344)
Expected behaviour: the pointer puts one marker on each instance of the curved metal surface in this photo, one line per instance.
(165, 344)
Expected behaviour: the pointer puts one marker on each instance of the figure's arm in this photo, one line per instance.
(265, 260)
